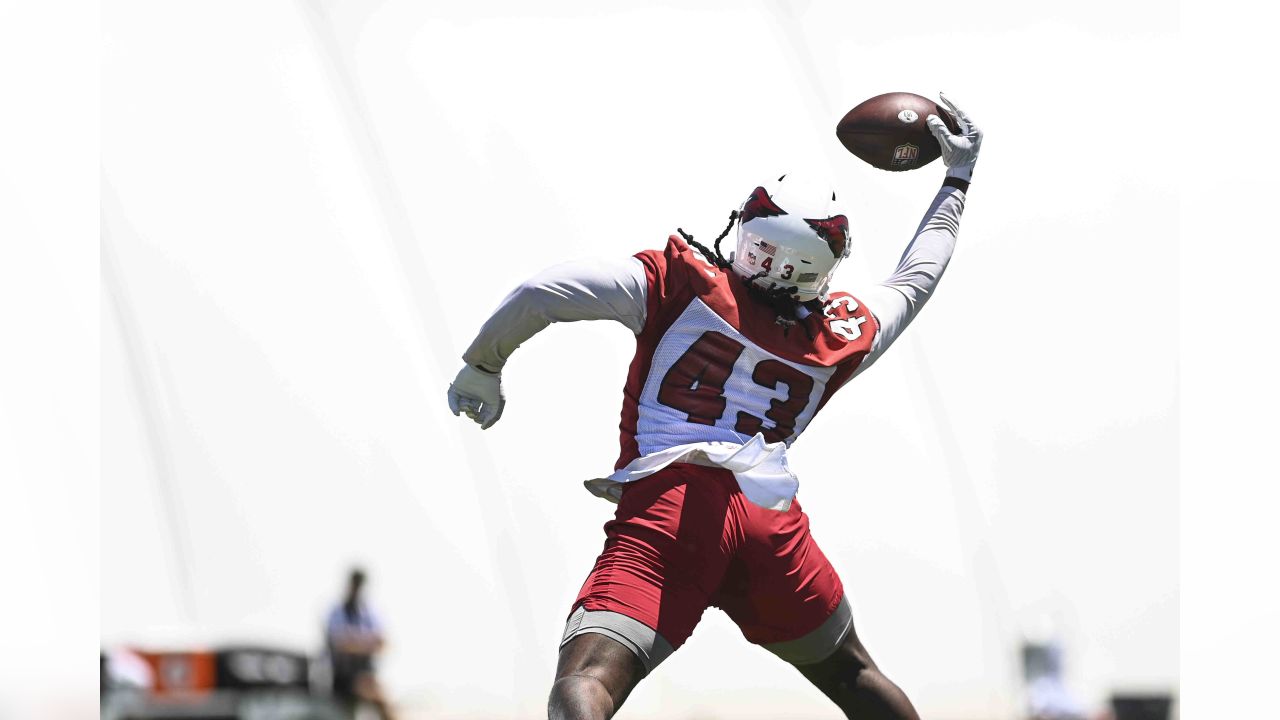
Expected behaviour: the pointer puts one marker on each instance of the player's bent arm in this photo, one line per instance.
(579, 290)
(584, 290)
(896, 301)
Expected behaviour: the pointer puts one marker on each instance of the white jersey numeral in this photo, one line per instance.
(850, 329)
(843, 300)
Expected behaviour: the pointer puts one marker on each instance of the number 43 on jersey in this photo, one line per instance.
(695, 382)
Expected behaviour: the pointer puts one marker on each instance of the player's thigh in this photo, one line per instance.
(834, 672)
(850, 678)
(604, 660)
(781, 590)
(664, 558)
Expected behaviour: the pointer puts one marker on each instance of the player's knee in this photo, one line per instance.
(579, 695)
(578, 683)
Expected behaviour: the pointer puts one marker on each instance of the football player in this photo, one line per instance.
(734, 357)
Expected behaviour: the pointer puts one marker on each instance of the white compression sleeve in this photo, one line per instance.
(896, 301)
(578, 290)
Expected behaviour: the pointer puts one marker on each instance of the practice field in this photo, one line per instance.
(309, 208)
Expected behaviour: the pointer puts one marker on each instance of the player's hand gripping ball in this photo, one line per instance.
(478, 395)
(890, 131)
(959, 150)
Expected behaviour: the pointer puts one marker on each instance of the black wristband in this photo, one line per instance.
(957, 183)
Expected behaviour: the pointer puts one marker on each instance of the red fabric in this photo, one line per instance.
(685, 538)
(684, 277)
(676, 276)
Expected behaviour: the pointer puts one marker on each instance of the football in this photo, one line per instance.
(889, 131)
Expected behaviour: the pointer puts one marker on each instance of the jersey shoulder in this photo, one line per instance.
(847, 324)
(677, 273)
(675, 263)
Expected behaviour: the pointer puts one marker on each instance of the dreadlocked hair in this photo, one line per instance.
(716, 257)
(780, 298)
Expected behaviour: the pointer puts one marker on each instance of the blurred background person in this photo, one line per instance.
(353, 637)
(1048, 697)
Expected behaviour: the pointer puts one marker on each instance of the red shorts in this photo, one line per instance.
(685, 538)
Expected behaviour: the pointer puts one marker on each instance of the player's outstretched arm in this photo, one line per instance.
(580, 290)
(896, 301)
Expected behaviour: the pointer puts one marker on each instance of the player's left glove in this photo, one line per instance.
(478, 394)
(959, 152)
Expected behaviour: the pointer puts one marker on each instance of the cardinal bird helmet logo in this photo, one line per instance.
(760, 205)
(835, 230)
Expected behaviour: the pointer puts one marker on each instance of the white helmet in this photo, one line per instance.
(789, 236)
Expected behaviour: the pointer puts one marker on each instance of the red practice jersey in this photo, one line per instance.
(716, 379)
(713, 364)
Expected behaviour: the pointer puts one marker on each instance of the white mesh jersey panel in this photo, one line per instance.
(756, 386)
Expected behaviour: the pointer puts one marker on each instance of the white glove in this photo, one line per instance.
(478, 394)
(959, 152)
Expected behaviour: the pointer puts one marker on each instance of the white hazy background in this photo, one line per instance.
(308, 208)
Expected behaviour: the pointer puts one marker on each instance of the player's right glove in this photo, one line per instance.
(959, 152)
(478, 394)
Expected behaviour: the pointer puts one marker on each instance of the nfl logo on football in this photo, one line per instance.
(905, 154)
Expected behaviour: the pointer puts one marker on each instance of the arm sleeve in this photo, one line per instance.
(896, 301)
(580, 290)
